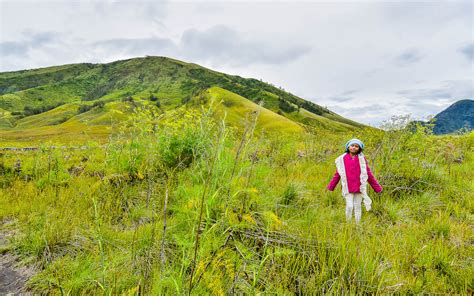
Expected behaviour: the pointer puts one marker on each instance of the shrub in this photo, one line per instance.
(27, 111)
(128, 99)
(285, 106)
(185, 100)
(180, 147)
(85, 108)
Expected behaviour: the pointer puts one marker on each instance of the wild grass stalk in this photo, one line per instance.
(97, 230)
(206, 183)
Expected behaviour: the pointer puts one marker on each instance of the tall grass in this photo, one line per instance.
(180, 204)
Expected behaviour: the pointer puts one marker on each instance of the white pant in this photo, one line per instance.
(353, 202)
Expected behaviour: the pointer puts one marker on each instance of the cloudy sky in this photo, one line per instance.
(366, 60)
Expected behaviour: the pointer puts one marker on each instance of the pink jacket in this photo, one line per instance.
(352, 167)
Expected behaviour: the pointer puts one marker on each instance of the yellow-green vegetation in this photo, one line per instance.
(63, 133)
(5, 118)
(45, 97)
(157, 176)
(52, 117)
(97, 119)
(182, 203)
(319, 121)
(236, 110)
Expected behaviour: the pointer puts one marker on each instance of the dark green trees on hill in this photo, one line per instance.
(459, 115)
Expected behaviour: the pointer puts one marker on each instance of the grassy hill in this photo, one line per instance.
(52, 97)
(185, 183)
(237, 108)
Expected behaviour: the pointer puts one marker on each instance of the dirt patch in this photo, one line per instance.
(13, 275)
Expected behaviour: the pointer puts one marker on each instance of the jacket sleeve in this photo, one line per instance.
(372, 181)
(335, 179)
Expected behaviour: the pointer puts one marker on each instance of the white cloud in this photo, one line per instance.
(223, 45)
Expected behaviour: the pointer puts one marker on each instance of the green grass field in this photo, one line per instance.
(156, 176)
(184, 202)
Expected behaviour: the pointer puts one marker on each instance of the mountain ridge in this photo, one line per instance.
(152, 81)
(457, 116)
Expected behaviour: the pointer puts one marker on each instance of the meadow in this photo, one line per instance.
(184, 203)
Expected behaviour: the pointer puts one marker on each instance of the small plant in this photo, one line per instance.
(290, 194)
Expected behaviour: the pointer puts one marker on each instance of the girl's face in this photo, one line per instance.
(354, 148)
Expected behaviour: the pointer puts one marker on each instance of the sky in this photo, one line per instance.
(365, 60)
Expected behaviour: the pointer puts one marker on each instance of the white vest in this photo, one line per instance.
(363, 178)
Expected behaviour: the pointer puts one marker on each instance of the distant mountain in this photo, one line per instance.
(69, 98)
(457, 116)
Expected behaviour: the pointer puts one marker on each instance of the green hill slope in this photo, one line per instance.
(49, 97)
(236, 109)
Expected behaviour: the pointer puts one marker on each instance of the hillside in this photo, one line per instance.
(49, 100)
(457, 116)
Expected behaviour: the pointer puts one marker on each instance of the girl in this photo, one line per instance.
(354, 172)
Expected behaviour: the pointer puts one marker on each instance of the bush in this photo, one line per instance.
(128, 99)
(99, 104)
(85, 108)
(182, 146)
(27, 111)
(185, 100)
(312, 108)
(285, 106)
